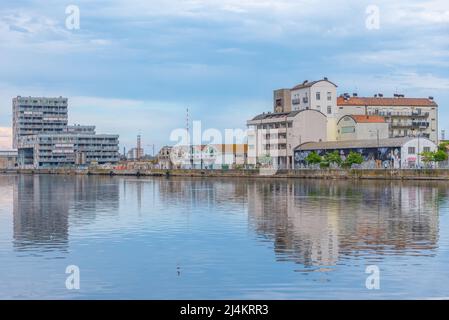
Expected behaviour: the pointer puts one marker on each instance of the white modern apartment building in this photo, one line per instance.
(406, 117)
(45, 140)
(35, 115)
(272, 137)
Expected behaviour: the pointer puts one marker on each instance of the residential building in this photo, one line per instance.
(392, 152)
(45, 140)
(35, 115)
(68, 149)
(362, 127)
(320, 95)
(8, 159)
(405, 116)
(282, 100)
(272, 137)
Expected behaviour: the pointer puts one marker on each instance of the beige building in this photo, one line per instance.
(8, 159)
(362, 127)
(405, 116)
(320, 95)
(272, 137)
(282, 100)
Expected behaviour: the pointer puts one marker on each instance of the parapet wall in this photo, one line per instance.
(378, 174)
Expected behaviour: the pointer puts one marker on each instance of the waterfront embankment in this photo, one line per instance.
(377, 174)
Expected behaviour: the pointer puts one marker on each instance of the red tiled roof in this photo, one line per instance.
(367, 119)
(400, 102)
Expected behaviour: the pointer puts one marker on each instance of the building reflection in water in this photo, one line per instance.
(316, 223)
(44, 206)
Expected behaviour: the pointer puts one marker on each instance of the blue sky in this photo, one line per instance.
(136, 65)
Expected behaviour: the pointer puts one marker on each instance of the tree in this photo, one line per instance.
(443, 146)
(353, 158)
(427, 156)
(333, 157)
(439, 156)
(313, 158)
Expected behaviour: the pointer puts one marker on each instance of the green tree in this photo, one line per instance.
(443, 146)
(353, 158)
(440, 155)
(313, 158)
(332, 158)
(427, 156)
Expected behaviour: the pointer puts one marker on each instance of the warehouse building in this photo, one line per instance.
(393, 152)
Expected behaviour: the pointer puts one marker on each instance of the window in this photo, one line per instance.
(318, 95)
(329, 96)
(411, 150)
(318, 108)
(329, 109)
(347, 129)
(426, 149)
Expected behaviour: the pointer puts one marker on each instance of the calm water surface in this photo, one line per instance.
(188, 238)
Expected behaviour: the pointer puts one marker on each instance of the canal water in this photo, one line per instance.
(187, 238)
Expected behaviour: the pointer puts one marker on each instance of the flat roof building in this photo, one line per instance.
(8, 159)
(45, 140)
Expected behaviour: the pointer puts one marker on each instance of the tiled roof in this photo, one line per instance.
(400, 102)
(367, 119)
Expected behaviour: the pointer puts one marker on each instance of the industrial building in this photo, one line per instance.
(392, 152)
(8, 159)
(45, 140)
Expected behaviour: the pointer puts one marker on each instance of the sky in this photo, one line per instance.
(134, 66)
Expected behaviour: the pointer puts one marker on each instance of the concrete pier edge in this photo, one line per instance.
(375, 174)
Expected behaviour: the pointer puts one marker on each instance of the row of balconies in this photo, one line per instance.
(400, 114)
(422, 125)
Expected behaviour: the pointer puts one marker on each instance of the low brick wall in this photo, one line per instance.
(376, 174)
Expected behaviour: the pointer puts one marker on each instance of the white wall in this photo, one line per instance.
(415, 159)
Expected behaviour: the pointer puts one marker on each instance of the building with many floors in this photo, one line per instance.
(406, 117)
(272, 137)
(45, 140)
(35, 115)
